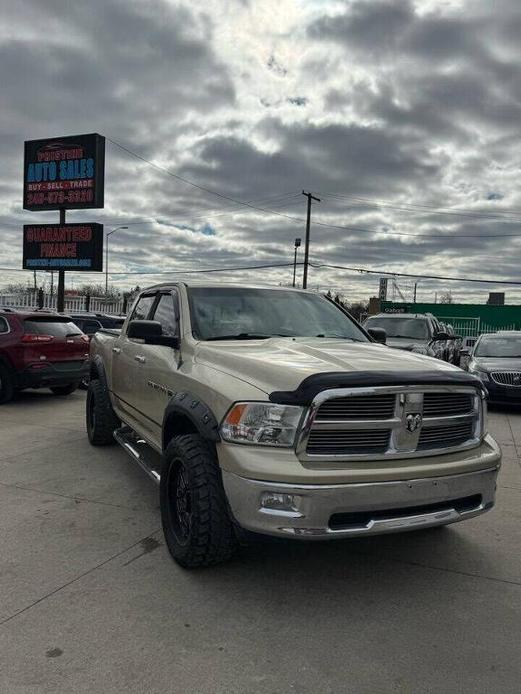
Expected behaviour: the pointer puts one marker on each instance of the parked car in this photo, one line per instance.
(40, 350)
(496, 360)
(90, 323)
(413, 332)
(272, 411)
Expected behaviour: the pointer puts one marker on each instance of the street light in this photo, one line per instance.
(297, 245)
(107, 257)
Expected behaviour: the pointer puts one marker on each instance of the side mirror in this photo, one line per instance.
(439, 337)
(378, 335)
(151, 332)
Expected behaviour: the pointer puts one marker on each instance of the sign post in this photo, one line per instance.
(64, 173)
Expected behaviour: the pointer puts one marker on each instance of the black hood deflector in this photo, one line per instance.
(312, 385)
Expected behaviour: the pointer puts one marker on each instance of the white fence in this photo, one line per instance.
(73, 304)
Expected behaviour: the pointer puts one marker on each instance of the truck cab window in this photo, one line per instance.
(165, 313)
(143, 307)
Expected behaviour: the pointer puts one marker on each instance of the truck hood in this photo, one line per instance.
(283, 363)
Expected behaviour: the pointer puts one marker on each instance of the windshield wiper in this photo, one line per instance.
(240, 336)
(339, 337)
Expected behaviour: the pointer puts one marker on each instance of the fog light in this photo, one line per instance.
(276, 501)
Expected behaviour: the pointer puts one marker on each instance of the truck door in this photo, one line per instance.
(162, 363)
(128, 360)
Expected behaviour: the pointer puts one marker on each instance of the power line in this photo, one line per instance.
(361, 270)
(426, 209)
(408, 274)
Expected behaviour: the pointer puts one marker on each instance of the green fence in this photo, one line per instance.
(469, 320)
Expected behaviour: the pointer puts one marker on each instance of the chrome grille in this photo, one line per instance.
(391, 422)
(446, 404)
(363, 407)
(507, 378)
(349, 442)
(445, 436)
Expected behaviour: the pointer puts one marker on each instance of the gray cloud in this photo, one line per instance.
(396, 102)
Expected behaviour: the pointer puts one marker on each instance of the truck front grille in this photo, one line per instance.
(349, 442)
(446, 404)
(445, 436)
(391, 422)
(507, 378)
(368, 407)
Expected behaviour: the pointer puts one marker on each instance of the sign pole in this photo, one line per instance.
(61, 275)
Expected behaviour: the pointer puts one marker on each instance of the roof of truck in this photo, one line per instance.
(228, 285)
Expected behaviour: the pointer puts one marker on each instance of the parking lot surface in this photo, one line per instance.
(92, 602)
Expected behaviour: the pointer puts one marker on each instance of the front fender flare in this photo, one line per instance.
(191, 407)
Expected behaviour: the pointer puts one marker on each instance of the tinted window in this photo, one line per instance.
(411, 328)
(51, 326)
(218, 312)
(165, 313)
(143, 307)
(4, 325)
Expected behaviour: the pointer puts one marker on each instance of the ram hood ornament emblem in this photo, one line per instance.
(413, 421)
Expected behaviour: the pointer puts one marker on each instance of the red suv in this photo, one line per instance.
(40, 350)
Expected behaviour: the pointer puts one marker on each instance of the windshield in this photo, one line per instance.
(498, 347)
(412, 328)
(242, 313)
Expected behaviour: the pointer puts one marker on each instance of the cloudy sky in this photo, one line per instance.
(403, 117)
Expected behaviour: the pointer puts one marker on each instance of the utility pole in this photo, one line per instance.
(415, 287)
(310, 197)
(297, 246)
(61, 275)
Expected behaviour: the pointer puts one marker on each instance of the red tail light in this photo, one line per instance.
(37, 338)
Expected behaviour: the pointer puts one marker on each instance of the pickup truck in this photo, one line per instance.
(271, 411)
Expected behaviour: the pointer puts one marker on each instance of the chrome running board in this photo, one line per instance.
(139, 450)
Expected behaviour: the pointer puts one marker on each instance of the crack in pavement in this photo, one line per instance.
(77, 578)
(444, 569)
(513, 440)
(67, 496)
(49, 446)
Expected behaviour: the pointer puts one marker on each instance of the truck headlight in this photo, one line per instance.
(262, 423)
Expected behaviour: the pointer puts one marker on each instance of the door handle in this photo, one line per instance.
(116, 350)
(140, 359)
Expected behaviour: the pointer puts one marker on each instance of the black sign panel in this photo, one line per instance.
(64, 172)
(63, 247)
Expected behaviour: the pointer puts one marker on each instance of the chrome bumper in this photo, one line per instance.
(306, 511)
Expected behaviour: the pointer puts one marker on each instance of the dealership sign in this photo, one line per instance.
(63, 247)
(64, 173)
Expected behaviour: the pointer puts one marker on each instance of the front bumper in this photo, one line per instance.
(50, 375)
(320, 512)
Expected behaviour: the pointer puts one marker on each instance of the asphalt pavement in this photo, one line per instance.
(90, 601)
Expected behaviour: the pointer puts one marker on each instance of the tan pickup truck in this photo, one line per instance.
(271, 411)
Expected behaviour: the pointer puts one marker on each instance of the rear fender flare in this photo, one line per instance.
(97, 371)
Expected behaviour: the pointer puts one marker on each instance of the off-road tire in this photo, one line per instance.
(6, 385)
(101, 420)
(64, 390)
(210, 538)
